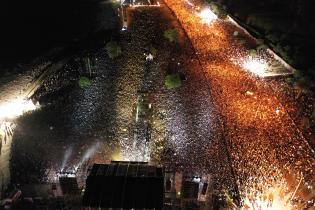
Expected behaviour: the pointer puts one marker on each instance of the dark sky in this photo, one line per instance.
(29, 27)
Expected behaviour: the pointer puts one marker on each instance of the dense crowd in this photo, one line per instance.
(268, 151)
(222, 120)
(188, 135)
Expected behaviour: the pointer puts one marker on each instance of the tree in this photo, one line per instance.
(171, 35)
(84, 82)
(173, 81)
(113, 49)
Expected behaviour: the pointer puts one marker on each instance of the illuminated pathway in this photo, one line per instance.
(273, 163)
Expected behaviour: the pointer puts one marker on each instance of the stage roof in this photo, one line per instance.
(128, 185)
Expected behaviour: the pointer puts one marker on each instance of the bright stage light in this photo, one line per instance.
(256, 66)
(207, 16)
(16, 108)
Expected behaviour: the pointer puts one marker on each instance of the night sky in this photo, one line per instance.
(32, 27)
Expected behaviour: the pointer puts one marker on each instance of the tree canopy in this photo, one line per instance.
(84, 82)
(113, 49)
(171, 35)
(173, 81)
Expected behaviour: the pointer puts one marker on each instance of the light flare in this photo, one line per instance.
(256, 66)
(207, 16)
(16, 108)
(66, 158)
(89, 153)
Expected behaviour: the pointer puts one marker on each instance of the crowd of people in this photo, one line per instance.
(187, 129)
(267, 149)
(222, 121)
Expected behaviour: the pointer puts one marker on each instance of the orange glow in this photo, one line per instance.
(265, 142)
